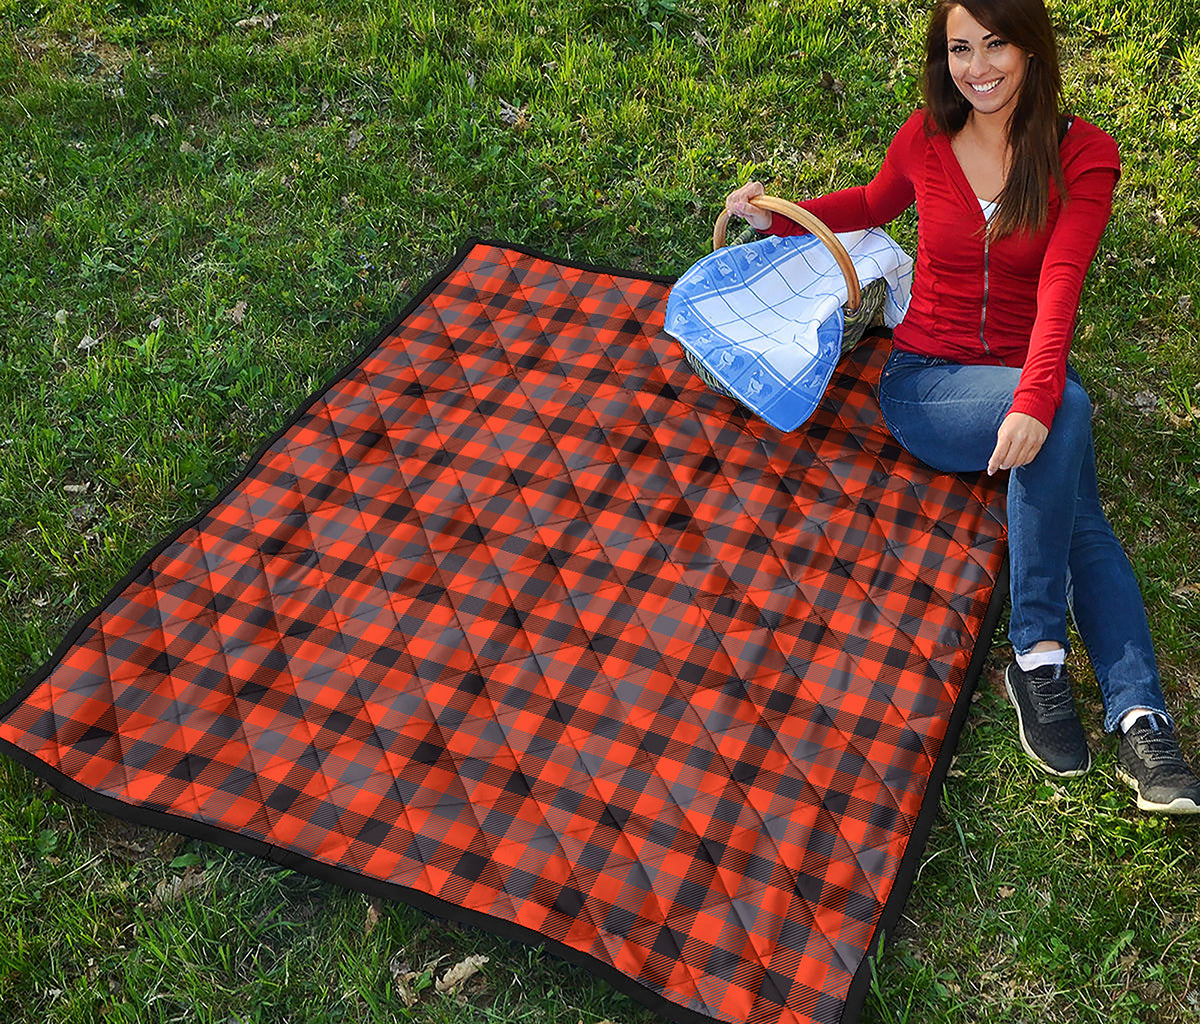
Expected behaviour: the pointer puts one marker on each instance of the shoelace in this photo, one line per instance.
(1053, 694)
(1159, 750)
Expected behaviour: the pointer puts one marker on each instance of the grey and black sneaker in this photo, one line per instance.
(1149, 760)
(1051, 732)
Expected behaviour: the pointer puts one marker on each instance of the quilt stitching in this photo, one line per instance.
(520, 616)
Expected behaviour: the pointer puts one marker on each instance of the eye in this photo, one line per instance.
(958, 48)
(997, 43)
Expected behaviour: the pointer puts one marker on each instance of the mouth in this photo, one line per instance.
(985, 87)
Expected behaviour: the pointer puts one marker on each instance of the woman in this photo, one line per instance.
(1012, 198)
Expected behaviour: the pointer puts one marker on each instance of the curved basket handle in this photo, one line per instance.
(813, 224)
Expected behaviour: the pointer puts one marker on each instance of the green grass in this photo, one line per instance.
(160, 167)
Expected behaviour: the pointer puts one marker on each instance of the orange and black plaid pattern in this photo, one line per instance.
(517, 619)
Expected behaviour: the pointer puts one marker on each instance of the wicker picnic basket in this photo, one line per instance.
(861, 310)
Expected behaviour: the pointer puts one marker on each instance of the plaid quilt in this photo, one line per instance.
(518, 622)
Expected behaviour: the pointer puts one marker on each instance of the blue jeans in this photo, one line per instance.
(1062, 551)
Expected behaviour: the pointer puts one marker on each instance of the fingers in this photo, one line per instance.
(1018, 441)
(737, 204)
(999, 458)
(746, 192)
(1009, 454)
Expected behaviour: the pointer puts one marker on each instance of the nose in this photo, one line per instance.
(979, 61)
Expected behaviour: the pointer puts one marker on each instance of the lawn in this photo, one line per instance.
(206, 207)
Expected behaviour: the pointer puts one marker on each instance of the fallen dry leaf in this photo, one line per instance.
(171, 889)
(238, 313)
(405, 990)
(158, 120)
(87, 341)
(257, 21)
(460, 972)
(355, 138)
(512, 115)
(404, 978)
(1005, 891)
(1145, 401)
(186, 147)
(60, 317)
(374, 912)
(831, 84)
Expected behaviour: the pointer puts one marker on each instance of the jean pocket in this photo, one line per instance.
(899, 361)
(889, 423)
(889, 366)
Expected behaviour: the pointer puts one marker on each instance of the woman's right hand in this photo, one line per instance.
(737, 204)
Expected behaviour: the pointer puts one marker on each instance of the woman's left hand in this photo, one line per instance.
(1018, 441)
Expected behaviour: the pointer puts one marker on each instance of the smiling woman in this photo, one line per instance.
(996, 88)
(1012, 198)
(988, 70)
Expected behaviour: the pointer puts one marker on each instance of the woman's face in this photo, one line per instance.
(987, 69)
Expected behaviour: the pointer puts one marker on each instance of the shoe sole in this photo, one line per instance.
(1071, 774)
(1180, 805)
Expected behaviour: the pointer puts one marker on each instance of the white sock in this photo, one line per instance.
(1036, 659)
(1128, 719)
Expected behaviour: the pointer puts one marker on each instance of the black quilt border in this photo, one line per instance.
(909, 863)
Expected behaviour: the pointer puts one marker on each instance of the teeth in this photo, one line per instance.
(986, 88)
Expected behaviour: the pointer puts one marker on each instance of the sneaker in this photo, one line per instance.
(1149, 760)
(1051, 732)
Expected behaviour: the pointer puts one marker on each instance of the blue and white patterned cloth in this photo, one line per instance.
(765, 319)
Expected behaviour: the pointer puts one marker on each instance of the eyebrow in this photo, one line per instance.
(990, 35)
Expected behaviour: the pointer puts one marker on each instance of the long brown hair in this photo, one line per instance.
(1036, 125)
